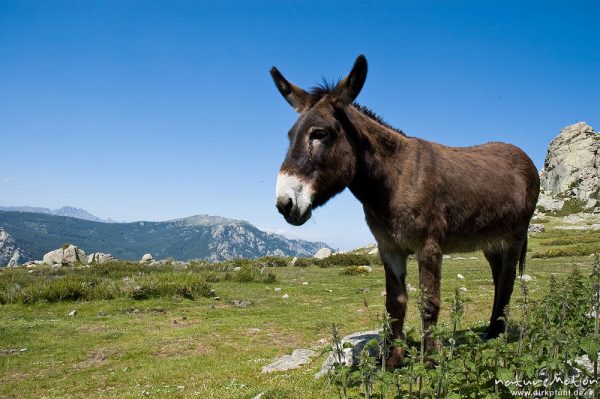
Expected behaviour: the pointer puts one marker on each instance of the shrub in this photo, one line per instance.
(272, 261)
(104, 282)
(344, 260)
(304, 262)
(354, 271)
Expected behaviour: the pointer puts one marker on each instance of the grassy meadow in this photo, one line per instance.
(174, 332)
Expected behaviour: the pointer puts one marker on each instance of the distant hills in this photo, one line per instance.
(197, 237)
(64, 211)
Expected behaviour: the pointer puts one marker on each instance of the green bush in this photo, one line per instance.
(272, 261)
(304, 262)
(109, 281)
(345, 260)
(354, 271)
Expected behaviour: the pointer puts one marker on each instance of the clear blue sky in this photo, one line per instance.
(156, 110)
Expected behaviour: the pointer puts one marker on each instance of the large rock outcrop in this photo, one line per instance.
(68, 255)
(571, 169)
(10, 253)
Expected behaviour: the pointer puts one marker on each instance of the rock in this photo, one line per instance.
(237, 269)
(305, 283)
(526, 277)
(16, 259)
(460, 258)
(460, 276)
(350, 355)
(147, 258)
(240, 304)
(259, 396)
(72, 255)
(255, 330)
(285, 296)
(299, 357)
(446, 257)
(591, 315)
(374, 251)
(548, 202)
(68, 255)
(536, 228)
(72, 313)
(277, 289)
(322, 253)
(10, 253)
(99, 258)
(572, 165)
(463, 289)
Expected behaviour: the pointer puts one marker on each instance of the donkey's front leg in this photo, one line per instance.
(394, 263)
(430, 262)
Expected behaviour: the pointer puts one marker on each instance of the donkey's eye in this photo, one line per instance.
(319, 134)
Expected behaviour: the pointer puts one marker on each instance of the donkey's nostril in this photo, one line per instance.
(285, 205)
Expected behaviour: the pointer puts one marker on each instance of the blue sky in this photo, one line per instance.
(145, 110)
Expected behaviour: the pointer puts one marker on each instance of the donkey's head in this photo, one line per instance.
(321, 159)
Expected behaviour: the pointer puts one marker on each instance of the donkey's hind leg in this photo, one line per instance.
(394, 263)
(503, 261)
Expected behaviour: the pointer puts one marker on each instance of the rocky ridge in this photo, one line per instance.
(571, 173)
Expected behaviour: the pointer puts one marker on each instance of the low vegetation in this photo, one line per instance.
(207, 329)
(532, 358)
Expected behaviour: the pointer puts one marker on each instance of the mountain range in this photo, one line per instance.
(207, 237)
(64, 211)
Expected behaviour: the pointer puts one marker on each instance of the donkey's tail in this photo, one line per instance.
(522, 257)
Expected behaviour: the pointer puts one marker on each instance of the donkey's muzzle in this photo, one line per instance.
(293, 198)
(290, 210)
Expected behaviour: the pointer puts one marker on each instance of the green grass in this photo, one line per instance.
(178, 342)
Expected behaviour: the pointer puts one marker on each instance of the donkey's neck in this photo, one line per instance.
(379, 150)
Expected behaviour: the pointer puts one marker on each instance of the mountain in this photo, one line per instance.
(64, 211)
(198, 237)
(570, 178)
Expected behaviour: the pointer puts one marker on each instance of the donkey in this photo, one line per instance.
(419, 197)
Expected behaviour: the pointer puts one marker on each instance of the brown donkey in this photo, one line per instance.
(419, 197)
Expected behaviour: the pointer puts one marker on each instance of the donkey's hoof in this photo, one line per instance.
(395, 358)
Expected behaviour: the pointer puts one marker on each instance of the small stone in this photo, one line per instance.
(255, 330)
(285, 296)
(240, 304)
(459, 258)
(526, 277)
(446, 257)
(299, 357)
(329, 290)
(382, 293)
(305, 283)
(147, 258)
(217, 298)
(463, 289)
(277, 289)
(323, 341)
(237, 269)
(460, 276)
(72, 313)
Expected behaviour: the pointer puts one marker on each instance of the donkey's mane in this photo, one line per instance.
(326, 87)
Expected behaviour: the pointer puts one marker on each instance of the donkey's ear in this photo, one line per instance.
(347, 90)
(298, 98)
